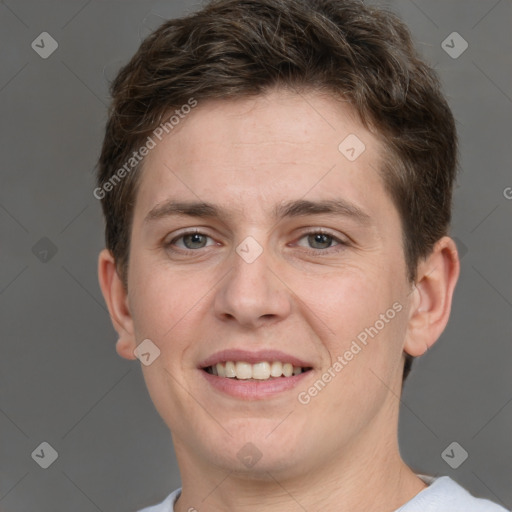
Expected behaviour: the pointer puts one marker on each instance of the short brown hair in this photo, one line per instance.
(240, 48)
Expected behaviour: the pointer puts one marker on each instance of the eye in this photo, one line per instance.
(190, 241)
(321, 240)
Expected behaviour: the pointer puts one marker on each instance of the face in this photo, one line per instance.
(294, 261)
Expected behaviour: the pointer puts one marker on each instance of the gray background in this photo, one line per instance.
(61, 380)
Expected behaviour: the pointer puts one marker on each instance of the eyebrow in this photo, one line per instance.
(294, 208)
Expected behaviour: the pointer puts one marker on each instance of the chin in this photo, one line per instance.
(255, 451)
(252, 464)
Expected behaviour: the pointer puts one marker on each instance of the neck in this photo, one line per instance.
(368, 476)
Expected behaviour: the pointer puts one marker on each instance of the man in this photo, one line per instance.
(276, 179)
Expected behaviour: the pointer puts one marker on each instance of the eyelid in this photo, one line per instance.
(323, 231)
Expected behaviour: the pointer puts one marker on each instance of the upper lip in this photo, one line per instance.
(253, 357)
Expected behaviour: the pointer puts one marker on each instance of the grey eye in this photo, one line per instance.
(320, 240)
(194, 240)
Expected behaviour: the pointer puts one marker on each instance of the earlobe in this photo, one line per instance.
(125, 348)
(432, 297)
(115, 295)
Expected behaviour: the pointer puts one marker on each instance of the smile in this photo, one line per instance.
(263, 370)
(254, 375)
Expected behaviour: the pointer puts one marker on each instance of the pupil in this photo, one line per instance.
(194, 239)
(320, 238)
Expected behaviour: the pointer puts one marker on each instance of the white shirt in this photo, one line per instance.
(442, 495)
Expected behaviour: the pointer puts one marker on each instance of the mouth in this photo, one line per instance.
(260, 371)
(259, 375)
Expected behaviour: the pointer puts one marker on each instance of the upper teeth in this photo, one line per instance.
(260, 371)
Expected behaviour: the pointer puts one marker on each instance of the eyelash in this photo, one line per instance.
(340, 243)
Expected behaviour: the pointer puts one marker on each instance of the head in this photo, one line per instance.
(264, 109)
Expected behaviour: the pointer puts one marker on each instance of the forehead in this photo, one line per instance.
(251, 154)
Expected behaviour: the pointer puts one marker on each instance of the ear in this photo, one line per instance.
(432, 297)
(116, 297)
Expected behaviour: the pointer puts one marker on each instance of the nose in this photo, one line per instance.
(252, 293)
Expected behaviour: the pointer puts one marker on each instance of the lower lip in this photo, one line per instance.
(254, 389)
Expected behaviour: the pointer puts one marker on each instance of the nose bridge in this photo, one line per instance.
(251, 293)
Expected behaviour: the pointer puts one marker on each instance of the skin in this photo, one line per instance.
(340, 451)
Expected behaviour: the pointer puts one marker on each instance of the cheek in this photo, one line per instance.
(165, 310)
(348, 298)
(362, 318)
(159, 302)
